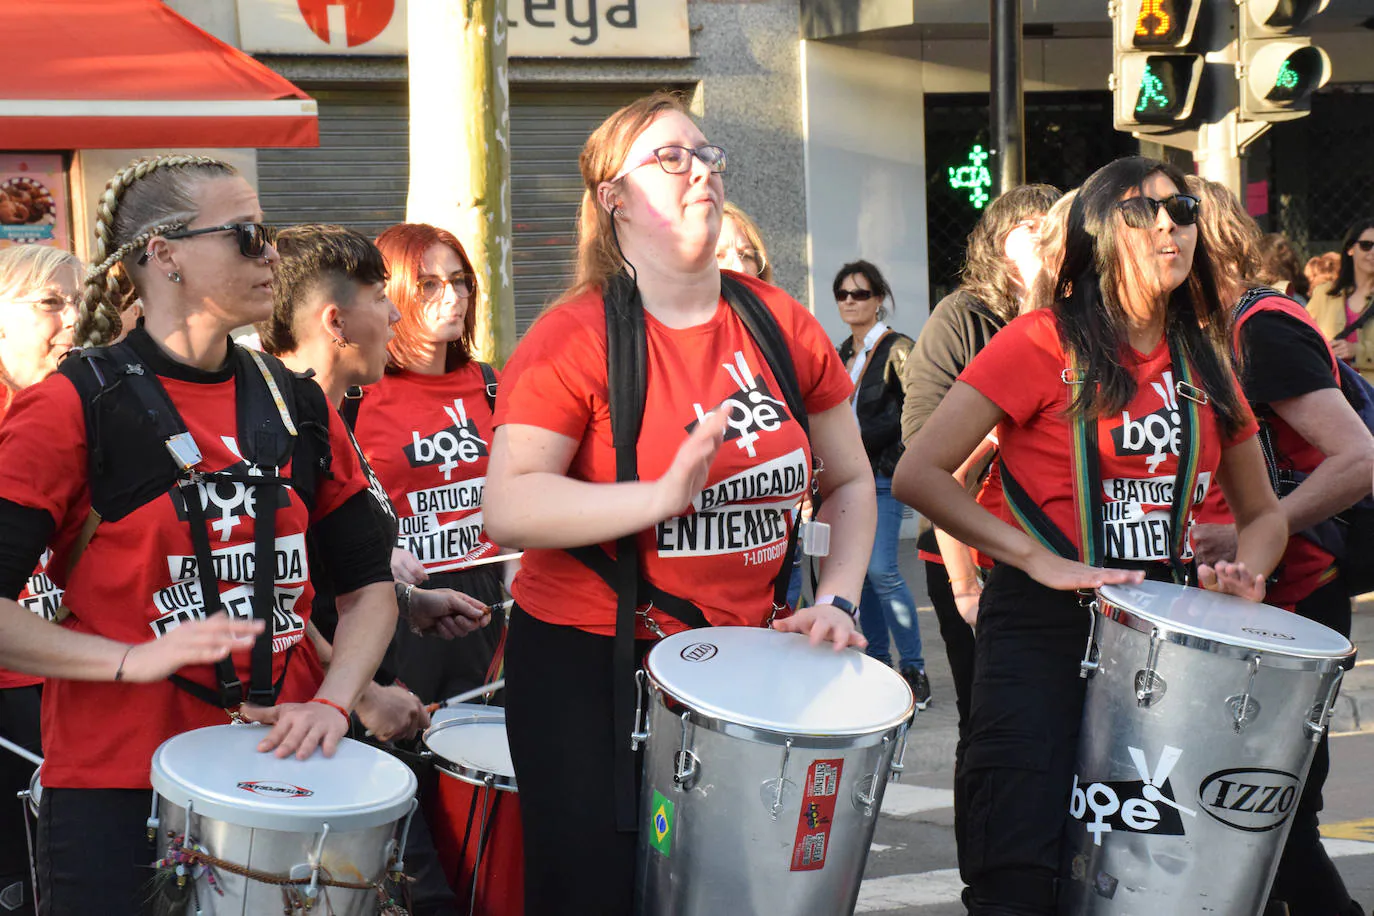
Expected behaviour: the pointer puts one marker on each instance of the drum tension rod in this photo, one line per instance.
(1147, 680)
(869, 799)
(1242, 705)
(684, 762)
(639, 731)
(1088, 667)
(776, 808)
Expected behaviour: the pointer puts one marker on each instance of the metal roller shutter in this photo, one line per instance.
(358, 175)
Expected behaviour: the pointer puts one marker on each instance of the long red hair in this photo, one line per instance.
(404, 246)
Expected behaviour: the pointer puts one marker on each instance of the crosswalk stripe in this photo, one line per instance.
(902, 800)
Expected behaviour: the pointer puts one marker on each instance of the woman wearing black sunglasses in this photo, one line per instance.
(1136, 336)
(1343, 308)
(134, 661)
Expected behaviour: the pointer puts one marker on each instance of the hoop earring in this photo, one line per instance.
(174, 277)
(341, 342)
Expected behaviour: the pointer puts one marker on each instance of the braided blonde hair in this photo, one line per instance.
(144, 199)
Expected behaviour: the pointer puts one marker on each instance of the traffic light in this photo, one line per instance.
(1279, 69)
(1155, 76)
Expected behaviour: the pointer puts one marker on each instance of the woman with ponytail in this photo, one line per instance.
(133, 662)
(650, 217)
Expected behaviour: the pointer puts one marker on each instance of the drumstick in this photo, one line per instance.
(499, 558)
(27, 755)
(468, 695)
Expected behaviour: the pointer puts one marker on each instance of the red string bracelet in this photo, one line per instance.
(330, 703)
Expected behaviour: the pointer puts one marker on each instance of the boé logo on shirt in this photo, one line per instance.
(1144, 805)
(227, 503)
(449, 447)
(750, 411)
(1156, 435)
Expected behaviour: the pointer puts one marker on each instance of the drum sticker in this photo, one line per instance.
(1146, 805)
(275, 789)
(817, 813)
(661, 824)
(1254, 800)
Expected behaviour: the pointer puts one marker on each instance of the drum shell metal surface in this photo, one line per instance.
(1239, 782)
(729, 850)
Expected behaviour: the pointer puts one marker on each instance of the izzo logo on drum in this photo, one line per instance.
(449, 447)
(1145, 805)
(1254, 800)
(1157, 434)
(226, 503)
(750, 411)
(698, 652)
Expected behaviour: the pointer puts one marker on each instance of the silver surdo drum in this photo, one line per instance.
(764, 772)
(324, 822)
(1201, 718)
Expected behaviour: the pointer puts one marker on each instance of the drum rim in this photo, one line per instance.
(461, 771)
(1190, 638)
(713, 718)
(348, 818)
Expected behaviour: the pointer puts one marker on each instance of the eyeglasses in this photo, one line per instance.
(1365, 244)
(1143, 212)
(858, 295)
(678, 159)
(253, 238)
(748, 259)
(52, 303)
(431, 289)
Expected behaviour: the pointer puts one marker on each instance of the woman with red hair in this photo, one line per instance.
(426, 428)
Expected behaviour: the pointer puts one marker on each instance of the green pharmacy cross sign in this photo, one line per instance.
(973, 177)
(1152, 95)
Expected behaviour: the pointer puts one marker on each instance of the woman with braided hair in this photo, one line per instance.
(130, 464)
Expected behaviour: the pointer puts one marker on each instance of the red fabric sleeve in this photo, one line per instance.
(43, 462)
(1019, 370)
(558, 370)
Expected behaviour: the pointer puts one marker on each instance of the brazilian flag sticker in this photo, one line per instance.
(661, 824)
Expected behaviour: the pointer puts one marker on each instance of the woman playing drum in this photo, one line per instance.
(716, 438)
(187, 231)
(1101, 402)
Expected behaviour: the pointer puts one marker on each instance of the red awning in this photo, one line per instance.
(116, 74)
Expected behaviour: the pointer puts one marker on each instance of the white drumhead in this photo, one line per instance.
(467, 711)
(220, 771)
(779, 682)
(476, 742)
(1224, 618)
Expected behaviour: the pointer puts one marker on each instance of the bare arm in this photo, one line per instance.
(925, 480)
(1261, 529)
(531, 502)
(1325, 419)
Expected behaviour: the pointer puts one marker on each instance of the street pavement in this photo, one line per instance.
(912, 866)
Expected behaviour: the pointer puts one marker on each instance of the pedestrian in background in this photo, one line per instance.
(740, 246)
(1276, 265)
(1343, 308)
(875, 354)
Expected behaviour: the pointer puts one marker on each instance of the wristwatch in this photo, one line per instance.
(844, 604)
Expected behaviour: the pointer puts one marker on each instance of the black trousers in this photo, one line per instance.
(93, 851)
(957, 636)
(1011, 791)
(1307, 880)
(436, 669)
(19, 722)
(562, 741)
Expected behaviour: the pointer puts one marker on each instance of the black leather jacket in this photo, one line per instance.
(878, 400)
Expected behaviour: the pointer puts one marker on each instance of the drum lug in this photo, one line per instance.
(869, 798)
(1149, 686)
(1088, 667)
(685, 763)
(640, 732)
(1245, 708)
(779, 785)
(899, 758)
(154, 823)
(311, 868)
(1316, 725)
(398, 865)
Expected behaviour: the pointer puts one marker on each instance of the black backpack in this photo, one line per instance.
(139, 449)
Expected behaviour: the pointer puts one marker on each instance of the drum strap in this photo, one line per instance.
(1087, 478)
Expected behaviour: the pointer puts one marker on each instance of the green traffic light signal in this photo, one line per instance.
(1162, 91)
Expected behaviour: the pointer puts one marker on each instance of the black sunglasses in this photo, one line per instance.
(253, 238)
(1365, 244)
(1142, 212)
(858, 295)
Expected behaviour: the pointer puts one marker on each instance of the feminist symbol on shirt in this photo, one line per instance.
(458, 443)
(750, 410)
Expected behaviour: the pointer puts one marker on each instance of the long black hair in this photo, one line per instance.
(1093, 327)
(1344, 284)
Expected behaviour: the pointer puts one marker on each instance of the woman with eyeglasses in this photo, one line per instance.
(426, 430)
(648, 227)
(92, 464)
(740, 246)
(1137, 333)
(1344, 307)
(875, 355)
(38, 290)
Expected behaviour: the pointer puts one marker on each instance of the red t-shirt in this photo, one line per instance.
(137, 578)
(724, 554)
(428, 438)
(1020, 371)
(39, 594)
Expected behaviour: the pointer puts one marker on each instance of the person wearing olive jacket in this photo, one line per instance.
(874, 354)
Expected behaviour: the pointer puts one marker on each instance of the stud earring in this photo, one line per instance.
(174, 277)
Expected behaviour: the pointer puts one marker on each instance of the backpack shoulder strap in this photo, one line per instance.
(763, 327)
(488, 384)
